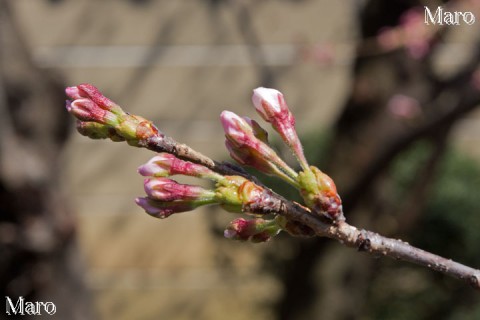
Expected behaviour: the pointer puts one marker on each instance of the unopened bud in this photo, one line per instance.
(233, 193)
(162, 209)
(89, 105)
(273, 108)
(87, 91)
(255, 230)
(163, 189)
(166, 164)
(135, 129)
(246, 142)
(320, 193)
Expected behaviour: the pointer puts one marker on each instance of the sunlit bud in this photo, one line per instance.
(135, 128)
(255, 230)
(269, 103)
(320, 193)
(235, 193)
(245, 140)
(247, 157)
(86, 110)
(88, 104)
(272, 107)
(238, 131)
(163, 189)
(87, 91)
(162, 209)
(166, 164)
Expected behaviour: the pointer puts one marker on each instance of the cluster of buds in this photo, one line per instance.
(100, 118)
(166, 196)
(248, 147)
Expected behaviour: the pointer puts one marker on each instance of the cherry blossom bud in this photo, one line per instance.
(135, 129)
(163, 189)
(89, 92)
(255, 230)
(247, 157)
(166, 164)
(164, 209)
(273, 108)
(320, 193)
(245, 140)
(89, 105)
(87, 110)
(236, 194)
(238, 131)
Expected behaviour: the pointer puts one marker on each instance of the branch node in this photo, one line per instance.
(474, 281)
(363, 243)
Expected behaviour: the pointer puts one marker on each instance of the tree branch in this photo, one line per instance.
(100, 118)
(363, 240)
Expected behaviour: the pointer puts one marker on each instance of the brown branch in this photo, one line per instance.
(341, 231)
(376, 244)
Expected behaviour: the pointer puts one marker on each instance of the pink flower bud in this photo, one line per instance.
(87, 91)
(238, 131)
(163, 189)
(88, 104)
(161, 210)
(246, 144)
(86, 110)
(273, 108)
(166, 164)
(255, 230)
(245, 156)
